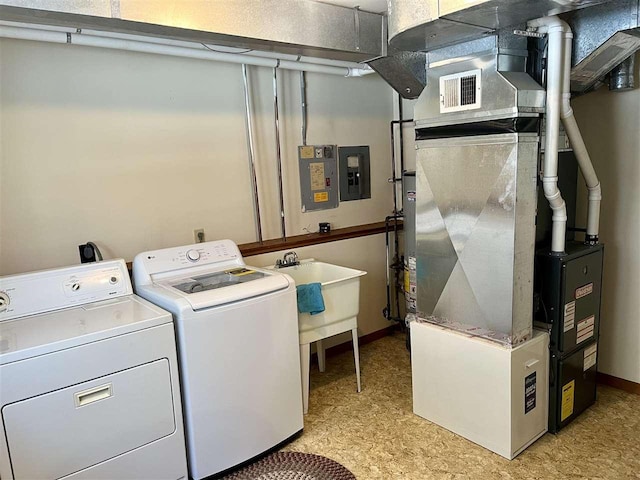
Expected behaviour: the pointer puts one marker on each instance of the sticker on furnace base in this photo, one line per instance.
(529, 393)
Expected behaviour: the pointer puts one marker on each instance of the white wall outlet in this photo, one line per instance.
(198, 235)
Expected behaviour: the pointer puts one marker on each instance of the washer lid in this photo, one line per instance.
(210, 289)
(35, 335)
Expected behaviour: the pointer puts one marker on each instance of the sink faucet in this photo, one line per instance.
(288, 260)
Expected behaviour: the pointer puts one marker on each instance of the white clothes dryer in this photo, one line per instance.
(237, 331)
(88, 378)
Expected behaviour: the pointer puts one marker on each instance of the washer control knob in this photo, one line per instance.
(113, 280)
(193, 255)
(4, 301)
(75, 286)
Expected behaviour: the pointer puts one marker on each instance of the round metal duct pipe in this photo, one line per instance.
(622, 77)
(406, 15)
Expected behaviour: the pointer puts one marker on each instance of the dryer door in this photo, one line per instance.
(65, 431)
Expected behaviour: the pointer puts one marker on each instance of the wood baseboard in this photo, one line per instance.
(603, 378)
(619, 383)
(368, 338)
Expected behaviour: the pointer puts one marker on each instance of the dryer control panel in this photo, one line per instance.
(61, 288)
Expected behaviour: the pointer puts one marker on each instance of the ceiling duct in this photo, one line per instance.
(424, 25)
(284, 26)
(622, 77)
(604, 37)
(406, 72)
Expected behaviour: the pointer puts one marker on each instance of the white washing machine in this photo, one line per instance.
(237, 329)
(89, 378)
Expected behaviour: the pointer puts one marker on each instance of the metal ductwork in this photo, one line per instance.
(406, 72)
(284, 26)
(477, 153)
(604, 37)
(424, 25)
(623, 76)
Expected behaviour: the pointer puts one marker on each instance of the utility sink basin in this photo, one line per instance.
(340, 291)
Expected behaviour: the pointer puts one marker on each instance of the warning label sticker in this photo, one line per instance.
(412, 276)
(529, 393)
(316, 171)
(567, 400)
(585, 329)
(590, 357)
(569, 315)
(584, 291)
(306, 152)
(406, 278)
(321, 197)
(411, 196)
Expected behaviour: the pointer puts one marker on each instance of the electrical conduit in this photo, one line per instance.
(178, 49)
(251, 153)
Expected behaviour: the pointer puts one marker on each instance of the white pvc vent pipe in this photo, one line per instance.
(554, 27)
(580, 149)
(558, 107)
(178, 49)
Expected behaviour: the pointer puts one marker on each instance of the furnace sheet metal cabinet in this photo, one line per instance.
(475, 233)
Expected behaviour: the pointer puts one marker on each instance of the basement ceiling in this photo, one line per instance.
(375, 6)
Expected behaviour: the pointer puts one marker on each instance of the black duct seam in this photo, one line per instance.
(488, 127)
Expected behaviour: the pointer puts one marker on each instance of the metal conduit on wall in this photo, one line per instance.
(251, 152)
(175, 48)
(276, 119)
(303, 106)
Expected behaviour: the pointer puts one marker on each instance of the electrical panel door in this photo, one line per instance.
(355, 175)
(318, 177)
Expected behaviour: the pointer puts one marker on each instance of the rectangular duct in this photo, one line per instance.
(285, 26)
(604, 36)
(476, 180)
(426, 25)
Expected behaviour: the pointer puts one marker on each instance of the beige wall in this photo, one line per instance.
(135, 151)
(610, 125)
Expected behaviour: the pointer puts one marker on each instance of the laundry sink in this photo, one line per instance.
(340, 291)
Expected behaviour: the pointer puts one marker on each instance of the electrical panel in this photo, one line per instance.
(355, 175)
(318, 177)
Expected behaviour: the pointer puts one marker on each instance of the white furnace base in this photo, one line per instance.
(494, 396)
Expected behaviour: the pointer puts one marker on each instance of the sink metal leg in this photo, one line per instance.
(321, 355)
(305, 354)
(356, 355)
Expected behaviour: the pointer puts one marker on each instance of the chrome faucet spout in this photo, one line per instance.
(289, 259)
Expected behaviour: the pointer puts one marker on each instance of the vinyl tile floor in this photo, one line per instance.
(376, 435)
